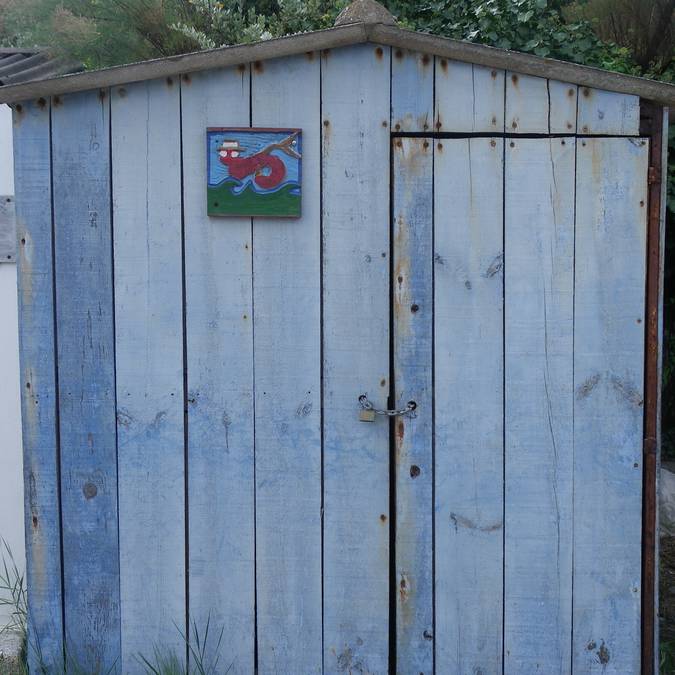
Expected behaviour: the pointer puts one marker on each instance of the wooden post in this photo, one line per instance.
(654, 124)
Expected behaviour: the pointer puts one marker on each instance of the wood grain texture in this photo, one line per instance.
(412, 91)
(86, 366)
(539, 293)
(219, 334)
(287, 323)
(413, 343)
(35, 274)
(562, 107)
(355, 184)
(605, 112)
(608, 403)
(527, 104)
(149, 355)
(468, 330)
(468, 97)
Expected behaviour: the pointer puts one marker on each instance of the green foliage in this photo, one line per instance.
(534, 26)
(162, 663)
(213, 24)
(168, 663)
(107, 32)
(667, 658)
(96, 32)
(13, 595)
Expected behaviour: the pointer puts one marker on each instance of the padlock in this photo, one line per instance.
(367, 415)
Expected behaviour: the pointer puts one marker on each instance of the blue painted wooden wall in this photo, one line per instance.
(193, 454)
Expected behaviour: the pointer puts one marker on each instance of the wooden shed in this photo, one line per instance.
(397, 413)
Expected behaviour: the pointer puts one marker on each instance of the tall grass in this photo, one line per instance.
(168, 663)
(13, 596)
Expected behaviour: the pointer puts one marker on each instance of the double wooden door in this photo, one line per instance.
(498, 527)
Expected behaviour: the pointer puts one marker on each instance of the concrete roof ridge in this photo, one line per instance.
(365, 11)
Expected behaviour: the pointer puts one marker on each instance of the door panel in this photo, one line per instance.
(288, 399)
(531, 363)
(468, 391)
(413, 459)
(356, 293)
(219, 357)
(539, 294)
(608, 402)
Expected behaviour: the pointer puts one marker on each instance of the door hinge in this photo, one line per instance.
(653, 175)
(649, 446)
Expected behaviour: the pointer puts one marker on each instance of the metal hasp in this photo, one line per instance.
(653, 120)
(7, 229)
(368, 410)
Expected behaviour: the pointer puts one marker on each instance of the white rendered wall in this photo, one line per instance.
(11, 481)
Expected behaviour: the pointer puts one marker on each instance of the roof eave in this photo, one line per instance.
(526, 64)
(341, 36)
(181, 64)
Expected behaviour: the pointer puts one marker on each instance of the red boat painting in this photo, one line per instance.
(254, 172)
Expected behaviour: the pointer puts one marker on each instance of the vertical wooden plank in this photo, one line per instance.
(145, 139)
(413, 328)
(86, 366)
(468, 97)
(287, 324)
(539, 283)
(563, 107)
(37, 348)
(608, 403)
(606, 112)
(468, 391)
(219, 329)
(527, 104)
(412, 91)
(355, 185)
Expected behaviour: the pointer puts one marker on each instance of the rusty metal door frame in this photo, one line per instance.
(652, 125)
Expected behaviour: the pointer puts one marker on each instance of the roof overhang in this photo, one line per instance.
(341, 36)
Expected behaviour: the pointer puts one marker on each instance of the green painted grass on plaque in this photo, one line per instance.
(280, 204)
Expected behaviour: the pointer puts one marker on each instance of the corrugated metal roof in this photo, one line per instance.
(27, 65)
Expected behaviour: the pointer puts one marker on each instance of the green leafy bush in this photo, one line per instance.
(533, 26)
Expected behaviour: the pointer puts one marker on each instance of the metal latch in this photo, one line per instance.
(368, 410)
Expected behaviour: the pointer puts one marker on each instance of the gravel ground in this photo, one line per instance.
(9, 648)
(9, 644)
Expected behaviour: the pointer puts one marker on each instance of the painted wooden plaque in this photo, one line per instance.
(254, 172)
